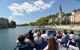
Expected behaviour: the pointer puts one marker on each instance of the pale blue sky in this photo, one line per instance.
(35, 10)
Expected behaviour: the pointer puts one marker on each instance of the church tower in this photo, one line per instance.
(60, 11)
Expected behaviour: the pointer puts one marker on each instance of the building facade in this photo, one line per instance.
(4, 23)
(75, 17)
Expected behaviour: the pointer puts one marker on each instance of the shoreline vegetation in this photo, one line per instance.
(5, 24)
(45, 21)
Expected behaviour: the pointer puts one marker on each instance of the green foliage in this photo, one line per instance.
(78, 23)
(44, 20)
(32, 23)
(67, 14)
(12, 24)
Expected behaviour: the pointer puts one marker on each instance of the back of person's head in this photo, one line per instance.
(26, 35)
(59, 32)
(39, 34)
(53, 30)
(52, 44)
(65, 32)
(43, 31)
(30, 31)
(71, 32)
(21, 39)
(36, 31)
(31, 36)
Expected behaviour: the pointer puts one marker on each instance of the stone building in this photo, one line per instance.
(75, 17)
(4, 23)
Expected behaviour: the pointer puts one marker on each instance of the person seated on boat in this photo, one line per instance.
(31, 38)
(31, 35)
(22, 45)
(26, 38)
(44, 37)
(65, 38)
(71, 39)
(38, 41)
(59, 35)
(52, 44)
(78, 41)
(35, 33)
(52, 32)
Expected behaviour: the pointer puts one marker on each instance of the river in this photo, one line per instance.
(9, 36)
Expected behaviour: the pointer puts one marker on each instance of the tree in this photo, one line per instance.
(12, 24)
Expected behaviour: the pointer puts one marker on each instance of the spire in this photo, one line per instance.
(60, 10)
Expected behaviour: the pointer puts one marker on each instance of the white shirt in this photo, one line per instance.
(44, 36)
(35, 35)
(38, 40)
(71, 36)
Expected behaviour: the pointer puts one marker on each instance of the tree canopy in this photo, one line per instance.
(12, 24)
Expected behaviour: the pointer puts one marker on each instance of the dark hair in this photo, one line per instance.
(21, 39)
(65, 32)
(31, 35)
(43, 31)
(36, 31)
(71, 32)
(79, 34)
(26, 35)
(39, 30)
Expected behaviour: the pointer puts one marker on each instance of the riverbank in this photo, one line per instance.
(67, 27)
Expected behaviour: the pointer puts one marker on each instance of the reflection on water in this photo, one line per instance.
(8, 36)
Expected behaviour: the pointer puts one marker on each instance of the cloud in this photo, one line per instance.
(27, 7)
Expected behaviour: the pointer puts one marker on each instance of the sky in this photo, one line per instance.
(25, 11)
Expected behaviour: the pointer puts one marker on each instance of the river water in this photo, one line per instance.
(8, 36)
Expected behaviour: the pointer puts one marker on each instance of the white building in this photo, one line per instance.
(75, 17)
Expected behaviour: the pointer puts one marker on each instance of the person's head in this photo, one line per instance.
(65, 32)
(26, 35)
(71, 32)
(30, 31)
(39, 33)
(43, 31)
(36, 31)
(59, 32)
(53, 30)
(31, 35)
(21, 39)
(52, 44)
